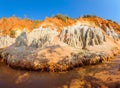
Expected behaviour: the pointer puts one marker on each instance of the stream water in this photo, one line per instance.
(97, 76)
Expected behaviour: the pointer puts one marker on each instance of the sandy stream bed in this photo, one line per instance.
(104, 75)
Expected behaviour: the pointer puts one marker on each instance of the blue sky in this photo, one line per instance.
(39, 9)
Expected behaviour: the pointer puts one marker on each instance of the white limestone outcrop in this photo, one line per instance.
(36, 39)
(6, 41)
(81, 36)
(110, 31)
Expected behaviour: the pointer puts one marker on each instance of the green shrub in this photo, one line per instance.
(109, 20)
(12, 32)
(35, 23)
(87, 16)
(62, 17)
(113, 21)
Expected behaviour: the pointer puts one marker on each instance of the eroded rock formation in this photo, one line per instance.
(81, 36)
(48, 50)
(36, 39)
(6, 41)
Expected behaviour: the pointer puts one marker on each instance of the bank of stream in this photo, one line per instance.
(104, 75)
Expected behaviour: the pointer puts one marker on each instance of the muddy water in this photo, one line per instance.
(98, 76)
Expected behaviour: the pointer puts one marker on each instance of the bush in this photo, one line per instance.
(109, 20)
(35, 23)
(12, 32)
(62, 17)
(87, 16)
(113, 21)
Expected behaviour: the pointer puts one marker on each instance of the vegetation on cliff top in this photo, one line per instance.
(62, 17)
(58, 21)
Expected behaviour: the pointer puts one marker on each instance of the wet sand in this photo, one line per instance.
(105, 75)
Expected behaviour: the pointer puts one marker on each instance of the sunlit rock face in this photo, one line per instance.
(36, 39)
(6, 41)
(27, 45)
(110, 31)
(46, 49)
(81, 36)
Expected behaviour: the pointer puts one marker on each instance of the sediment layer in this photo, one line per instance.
(45, 49)
(67, 63)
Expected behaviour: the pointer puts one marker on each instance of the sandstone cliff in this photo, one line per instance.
(53, 47)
